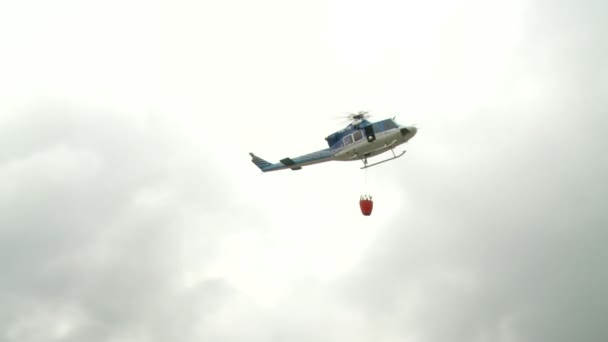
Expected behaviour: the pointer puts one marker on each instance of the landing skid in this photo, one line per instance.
(380, 162)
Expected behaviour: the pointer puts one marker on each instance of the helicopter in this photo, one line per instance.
(359, 140)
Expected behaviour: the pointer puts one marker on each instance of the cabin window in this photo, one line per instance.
(358, 135)
(348, 139)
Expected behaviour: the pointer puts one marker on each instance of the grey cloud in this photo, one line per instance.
(95, 211)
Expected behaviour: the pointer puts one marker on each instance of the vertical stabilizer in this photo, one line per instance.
(259, 162)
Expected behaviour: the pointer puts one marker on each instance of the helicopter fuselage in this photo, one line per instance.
(356, 145)
(358, 141)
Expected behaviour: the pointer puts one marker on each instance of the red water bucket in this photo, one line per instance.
(366, 205)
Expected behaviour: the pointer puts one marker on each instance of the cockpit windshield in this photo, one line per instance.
(385, 125)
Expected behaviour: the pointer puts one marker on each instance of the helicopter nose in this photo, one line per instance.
(411, 131)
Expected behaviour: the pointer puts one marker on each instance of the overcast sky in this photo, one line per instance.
(130, 209)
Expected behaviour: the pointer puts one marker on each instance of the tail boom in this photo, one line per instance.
(295, 163)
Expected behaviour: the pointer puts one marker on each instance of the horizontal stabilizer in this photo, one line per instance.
(289, 162)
